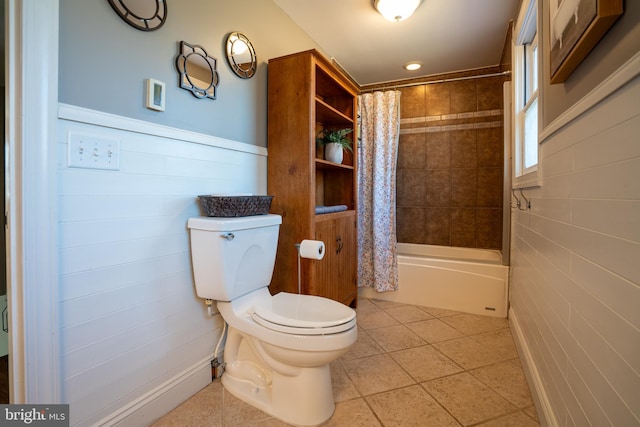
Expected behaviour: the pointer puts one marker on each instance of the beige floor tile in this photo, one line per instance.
(364, 306)
(439, 312)
(517, 419)
(204, 409)
(375, 319)
(508, 380)
(239, 413)
(408, 313)
(343, 388)
(267, 422)
(376, 374)
(531, 411)
(501, 341)
(365, 346)
(434, 330)
(425, 363)
(394, 338)
(376, 387)
(467, 399)
(409, 406)
(387, 304)
(468, 353)
(470, 324)
(352, 413)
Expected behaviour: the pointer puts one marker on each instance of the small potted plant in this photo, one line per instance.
(334, 142)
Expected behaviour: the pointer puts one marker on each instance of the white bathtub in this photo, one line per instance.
(461, 279)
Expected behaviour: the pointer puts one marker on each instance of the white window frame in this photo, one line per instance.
(525, 78)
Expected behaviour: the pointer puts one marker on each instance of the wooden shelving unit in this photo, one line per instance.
(306, 94)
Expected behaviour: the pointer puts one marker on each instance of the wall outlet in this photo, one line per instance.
(93, 151)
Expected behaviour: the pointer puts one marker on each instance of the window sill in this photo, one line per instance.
(526, 181)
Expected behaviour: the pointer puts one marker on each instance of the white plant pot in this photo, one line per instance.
(333, 152)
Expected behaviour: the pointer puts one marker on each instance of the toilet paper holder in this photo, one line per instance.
(297, 245)
(320, 248)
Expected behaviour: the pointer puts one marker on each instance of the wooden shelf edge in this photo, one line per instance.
(325, 164)
(334, 215)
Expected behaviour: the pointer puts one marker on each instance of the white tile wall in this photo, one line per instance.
(130, 318)
(575, 285)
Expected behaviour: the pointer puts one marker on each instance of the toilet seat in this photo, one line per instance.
(303, 315)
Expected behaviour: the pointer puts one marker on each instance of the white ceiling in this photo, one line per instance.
(445, 35)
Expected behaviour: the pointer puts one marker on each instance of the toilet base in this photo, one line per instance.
(305, 399)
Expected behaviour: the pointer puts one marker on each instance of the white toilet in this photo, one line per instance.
(278, 347)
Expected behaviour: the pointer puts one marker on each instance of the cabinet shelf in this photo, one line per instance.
(328, 115)
(325, 164)
(331, 90)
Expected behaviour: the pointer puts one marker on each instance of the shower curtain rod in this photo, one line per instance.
(452, 79)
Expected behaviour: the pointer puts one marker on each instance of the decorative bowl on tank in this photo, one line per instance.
(234, 206)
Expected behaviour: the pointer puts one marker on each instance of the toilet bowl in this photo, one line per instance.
(285, 374)
(279, 347)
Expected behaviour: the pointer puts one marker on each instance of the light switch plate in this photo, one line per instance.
(93, 151)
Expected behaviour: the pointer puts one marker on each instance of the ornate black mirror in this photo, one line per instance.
(241, 55)
(144, 15)
(197, 70)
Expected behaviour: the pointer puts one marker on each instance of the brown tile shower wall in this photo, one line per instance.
(450, 164)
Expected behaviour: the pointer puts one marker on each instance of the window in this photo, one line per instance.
(525, 80)
(530, 107)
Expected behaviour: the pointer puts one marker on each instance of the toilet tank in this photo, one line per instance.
(232, 256)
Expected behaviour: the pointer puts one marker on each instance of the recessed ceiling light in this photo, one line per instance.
(412, 66)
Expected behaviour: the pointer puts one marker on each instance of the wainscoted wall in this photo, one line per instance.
(575, 284)
(135, 339)
(450, 164)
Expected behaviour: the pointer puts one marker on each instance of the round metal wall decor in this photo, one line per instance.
(241, 55)
(143, 15)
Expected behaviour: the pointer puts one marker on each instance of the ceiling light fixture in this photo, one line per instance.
(396, 10)
(412, 66)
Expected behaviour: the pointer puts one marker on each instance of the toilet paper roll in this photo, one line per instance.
(312, 249)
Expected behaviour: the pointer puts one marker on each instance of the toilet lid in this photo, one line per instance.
(304, 315)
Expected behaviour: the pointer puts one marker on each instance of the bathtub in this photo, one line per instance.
(461, 279)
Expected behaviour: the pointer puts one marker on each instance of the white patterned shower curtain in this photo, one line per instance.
(379, 114)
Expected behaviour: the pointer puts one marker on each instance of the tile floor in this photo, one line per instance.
(411, 366)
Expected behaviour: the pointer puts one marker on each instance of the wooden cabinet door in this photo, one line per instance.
(335, 275)
(347, 260)
(323, 279)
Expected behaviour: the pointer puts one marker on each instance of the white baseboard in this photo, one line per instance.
(545, 411)
(162, 399)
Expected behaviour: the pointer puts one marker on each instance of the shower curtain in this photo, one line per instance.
(379, 116)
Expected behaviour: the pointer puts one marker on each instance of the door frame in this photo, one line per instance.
(31, 65)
